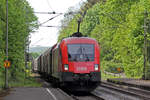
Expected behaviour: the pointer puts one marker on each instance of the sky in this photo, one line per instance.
(47, 36)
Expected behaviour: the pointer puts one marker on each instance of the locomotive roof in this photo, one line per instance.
(77, 39)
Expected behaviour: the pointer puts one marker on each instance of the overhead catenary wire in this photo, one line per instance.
(58, 14)
(49, 26)
(48, 12)
(49, 19)
(104, 14)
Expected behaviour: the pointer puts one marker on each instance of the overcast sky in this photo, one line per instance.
(45, 36)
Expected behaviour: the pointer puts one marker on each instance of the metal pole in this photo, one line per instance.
(6, 70)
(25, 45)
(28, 47)
(145, 45)
(79, 21)
(25, 41)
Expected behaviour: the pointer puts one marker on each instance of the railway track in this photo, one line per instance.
(111, 91)
(87, 96)
(81, 95)
(63, 94)
(106, 91)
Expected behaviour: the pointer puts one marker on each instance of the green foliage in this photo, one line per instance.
(112, 67)
(90, 21)
(118, 26)
(70, 29)
(34, 54)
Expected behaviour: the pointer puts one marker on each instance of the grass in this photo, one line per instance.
(2, 81)
(20, 82)
(27, 82)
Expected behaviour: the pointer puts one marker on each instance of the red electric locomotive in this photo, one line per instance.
(73, 63)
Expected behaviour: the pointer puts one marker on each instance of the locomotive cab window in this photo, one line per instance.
(80, 52)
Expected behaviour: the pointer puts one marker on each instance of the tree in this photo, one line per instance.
(22, 21)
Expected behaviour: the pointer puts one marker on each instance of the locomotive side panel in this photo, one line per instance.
(55, 62)
(44, 64)
(39, 64)
(47, 63)
(50, 65)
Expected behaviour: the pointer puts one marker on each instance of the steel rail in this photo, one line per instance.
(136, 93)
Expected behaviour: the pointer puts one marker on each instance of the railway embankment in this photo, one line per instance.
(138, 83)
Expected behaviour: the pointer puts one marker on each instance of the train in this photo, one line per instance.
(74, 63)
(34, 65)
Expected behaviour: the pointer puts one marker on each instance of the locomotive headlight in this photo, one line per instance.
(66, 67)
(96, 67)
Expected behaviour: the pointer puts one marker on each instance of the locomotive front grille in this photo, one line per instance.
(77, 77)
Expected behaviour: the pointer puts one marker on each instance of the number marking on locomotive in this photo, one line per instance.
(81, 68)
